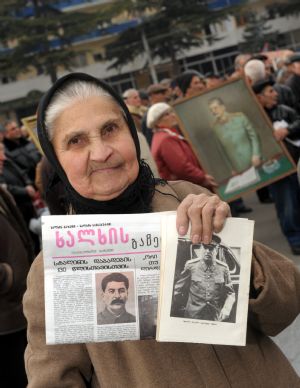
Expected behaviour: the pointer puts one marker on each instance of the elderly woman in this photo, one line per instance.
(89, 137)
(173, 155)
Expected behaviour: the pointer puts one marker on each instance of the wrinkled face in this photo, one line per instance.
(196, 86)
(94, 147)
(2, 157)
(115, 296)
(269, 97)
(217, 109)
(13, 131)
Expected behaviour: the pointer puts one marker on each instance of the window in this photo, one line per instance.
(121, 82)
(98, 57)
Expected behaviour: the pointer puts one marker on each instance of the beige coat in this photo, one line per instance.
(149, 364)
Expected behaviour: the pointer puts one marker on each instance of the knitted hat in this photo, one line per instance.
(155, 112)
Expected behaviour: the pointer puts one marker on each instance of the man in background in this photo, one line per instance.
(16, 255)
(285, 192)
(157, 93)
(22, 151)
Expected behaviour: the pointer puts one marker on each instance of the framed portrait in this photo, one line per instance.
(232, 137)
(30, 124)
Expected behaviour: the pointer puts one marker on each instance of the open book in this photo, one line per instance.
(102, 279)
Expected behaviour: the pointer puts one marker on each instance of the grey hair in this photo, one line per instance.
(128, 93)
(240, 60)
(255, 70)
(64, 98)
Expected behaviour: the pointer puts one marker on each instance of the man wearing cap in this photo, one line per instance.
(294, 80)
(285, 192)
(211, 295)
(157, 93)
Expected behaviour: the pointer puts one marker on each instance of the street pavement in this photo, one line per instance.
(267, 231)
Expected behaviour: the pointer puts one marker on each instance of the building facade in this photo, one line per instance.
(19, 97)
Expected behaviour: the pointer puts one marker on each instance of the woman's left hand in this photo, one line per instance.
(207, 214)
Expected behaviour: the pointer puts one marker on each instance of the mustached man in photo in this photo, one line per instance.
(114, 295)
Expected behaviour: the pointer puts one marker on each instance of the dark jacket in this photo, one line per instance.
(24, 154)
(16, 181)
(285, 96)
(294, 83)
(283, 112)
(15, 257)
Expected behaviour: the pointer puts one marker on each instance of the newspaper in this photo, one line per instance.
(103, 280)
(80, 251)
(204, 289)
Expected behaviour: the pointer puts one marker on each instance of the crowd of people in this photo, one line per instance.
(107, 171)
(280, 98)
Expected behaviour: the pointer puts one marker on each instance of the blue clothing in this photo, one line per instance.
(286, 195)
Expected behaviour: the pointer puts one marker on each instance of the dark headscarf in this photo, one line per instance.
(135, 199)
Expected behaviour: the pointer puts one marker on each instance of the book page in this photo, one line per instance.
(248, 177)
(204, 289)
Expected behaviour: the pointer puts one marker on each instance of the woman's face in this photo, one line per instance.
(168, 120)
(94, 146)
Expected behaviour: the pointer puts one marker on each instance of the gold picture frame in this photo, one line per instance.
(30, 123)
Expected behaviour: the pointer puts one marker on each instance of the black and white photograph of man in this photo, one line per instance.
(204, 287)
(114, 294)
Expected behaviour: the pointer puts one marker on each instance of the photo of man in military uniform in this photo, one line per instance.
(207, 282)
(238, 139)
(114, 295)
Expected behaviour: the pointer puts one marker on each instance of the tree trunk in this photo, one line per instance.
(175, 70)
(149, 57)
